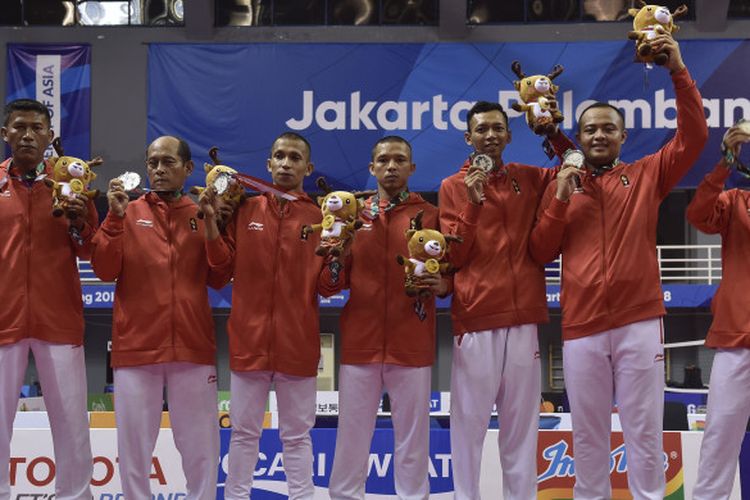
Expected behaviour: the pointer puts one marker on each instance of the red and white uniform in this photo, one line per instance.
(499, 296)
(611, 295)
(387, 343)
(163, 336)
(273, 335)
(42, 312)
(715, 211)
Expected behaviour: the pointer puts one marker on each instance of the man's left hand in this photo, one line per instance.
(663, 42)
(76, 209)
(435, 282)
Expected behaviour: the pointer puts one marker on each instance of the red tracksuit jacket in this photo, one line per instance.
(714, 211)
(497, 284)
(607, 234)
(158, 255)
(274, 320)
(40, 290)
(379, 323)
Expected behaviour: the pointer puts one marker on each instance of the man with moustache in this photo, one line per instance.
(612, 303)
(42, 310)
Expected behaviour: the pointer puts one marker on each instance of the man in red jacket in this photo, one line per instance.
(715, 211)
(387, 337)
(158, 251)
(42, 309)
(611, 295)
(273, 328)
(499, 297)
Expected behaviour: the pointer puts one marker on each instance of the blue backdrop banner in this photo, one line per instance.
(60, 77)
(344, 97)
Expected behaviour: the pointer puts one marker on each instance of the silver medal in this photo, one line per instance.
(483, 161)
(573, 157)
(221, 183)
(130, 180)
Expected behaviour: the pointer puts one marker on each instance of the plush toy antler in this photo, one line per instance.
(416, 221)
(58, 147)
(680, 11)
(213, 153)
(323, 185)
(516, 67)
(556, 70)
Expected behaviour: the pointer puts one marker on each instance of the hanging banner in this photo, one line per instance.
(344, 97)
(60, 77)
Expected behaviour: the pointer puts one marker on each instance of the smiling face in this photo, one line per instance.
(601, 135)
(488, 134)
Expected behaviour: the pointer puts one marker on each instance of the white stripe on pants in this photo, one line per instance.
(360, 390)
(193, 413)
(296, 400)
(627, 363)
(728, 411)
(496, 367)
(62, 375)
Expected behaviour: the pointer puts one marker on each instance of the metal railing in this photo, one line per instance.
(689, 264)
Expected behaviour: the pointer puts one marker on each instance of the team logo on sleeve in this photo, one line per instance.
(516, 186)
(193, 224)
(625, 181)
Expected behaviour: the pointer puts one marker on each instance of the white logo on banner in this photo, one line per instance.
(354, 113)
(48, 90)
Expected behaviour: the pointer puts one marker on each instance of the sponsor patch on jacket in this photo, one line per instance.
(144, 223)
(255, 226)
(193, 224)
(625, 181)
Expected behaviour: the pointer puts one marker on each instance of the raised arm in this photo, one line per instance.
(681, 152)
(710, 209)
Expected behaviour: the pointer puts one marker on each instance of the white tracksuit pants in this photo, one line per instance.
(496, 367)
(296, 400)
(360, 390)
(728, 411)
(62, 375)
(625, 364)
(193, 413)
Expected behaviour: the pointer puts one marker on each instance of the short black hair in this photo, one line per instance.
(26, 105)
(391, 138)
(183, 148)
(484, 107)
(294, 136)
(601, 104)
